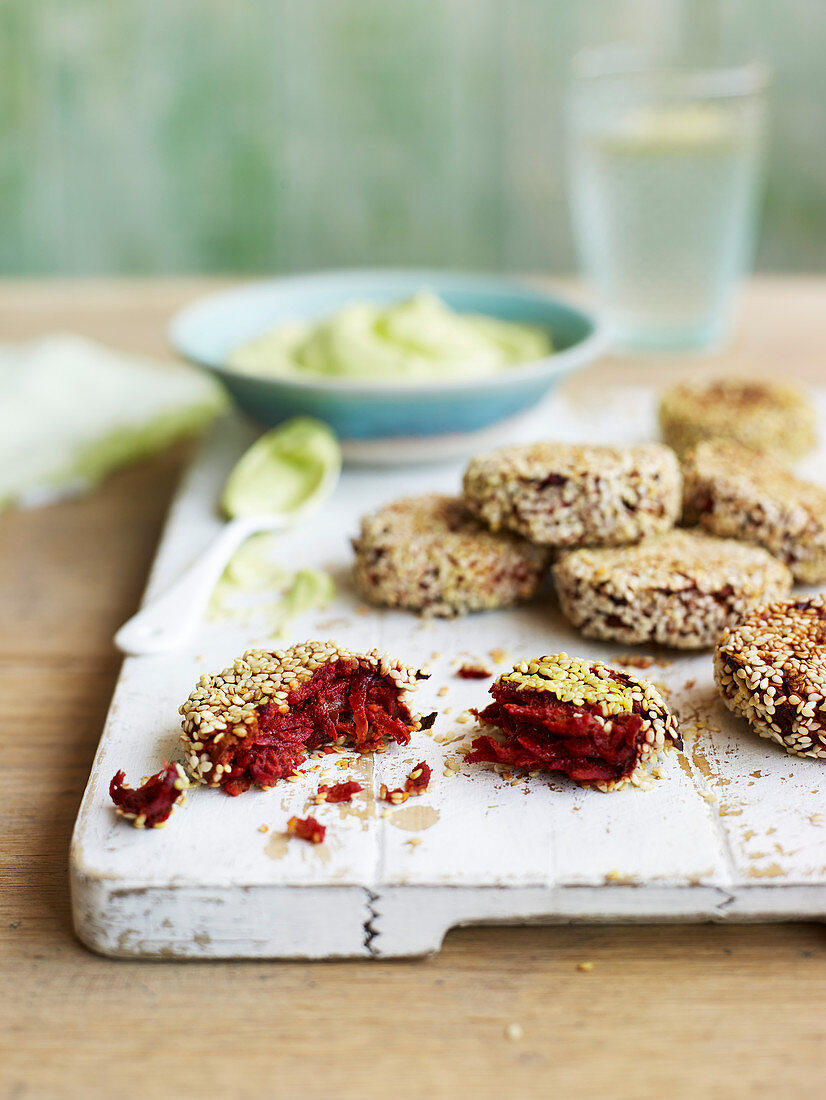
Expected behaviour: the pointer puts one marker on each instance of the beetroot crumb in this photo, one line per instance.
(416, 783)
(394, 797)
(339, 792)
(418, 780)
(149, 805)
(474, 672)
(306, 828)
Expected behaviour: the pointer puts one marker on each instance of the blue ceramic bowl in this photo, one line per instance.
(368, 418)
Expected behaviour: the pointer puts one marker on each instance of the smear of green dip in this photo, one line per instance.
(282, 473)
(251, 570)
(254, 586)
(284, 470)
(417, 340)
(310, 588)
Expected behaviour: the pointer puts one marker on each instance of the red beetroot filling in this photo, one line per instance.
(341, 699)
(543, 733)
(153, 800)
(340, 792)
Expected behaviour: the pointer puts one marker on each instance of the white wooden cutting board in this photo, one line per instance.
(735, 830)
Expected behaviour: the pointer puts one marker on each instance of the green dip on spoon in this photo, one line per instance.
(285, 476)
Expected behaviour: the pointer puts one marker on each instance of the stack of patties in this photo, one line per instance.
(622, 571)
(605, 516)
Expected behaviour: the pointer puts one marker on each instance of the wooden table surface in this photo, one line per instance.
(666, 1011)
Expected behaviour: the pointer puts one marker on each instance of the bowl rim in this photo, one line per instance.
(557, 363)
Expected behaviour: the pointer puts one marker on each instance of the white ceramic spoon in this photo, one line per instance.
(303, 461)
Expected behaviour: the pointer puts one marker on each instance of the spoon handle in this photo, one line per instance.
(170, 620)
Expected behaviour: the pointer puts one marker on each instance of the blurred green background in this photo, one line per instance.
(153, 136)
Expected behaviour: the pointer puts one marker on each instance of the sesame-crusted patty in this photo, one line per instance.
(759, 414)
(599, 725)
(771, 670)
(566, 494)
(255, 721)
(679, 589)
(430, 554)
(738, 493)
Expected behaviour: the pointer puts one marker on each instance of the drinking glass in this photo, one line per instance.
(664, 166)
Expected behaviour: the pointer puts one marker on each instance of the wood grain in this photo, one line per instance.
(667, 1010)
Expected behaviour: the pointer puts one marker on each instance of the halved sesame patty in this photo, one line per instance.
(595, 724)
(771, 670)
(255, 722)
(341, 700)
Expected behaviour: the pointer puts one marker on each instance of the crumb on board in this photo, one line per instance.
(337, 792)
(514, 1032)
(263, 828)
(474, 670)
(416, 783)
(498, 655)
(443, 691)
(635, 660)
(306, 828)
(585, 967)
